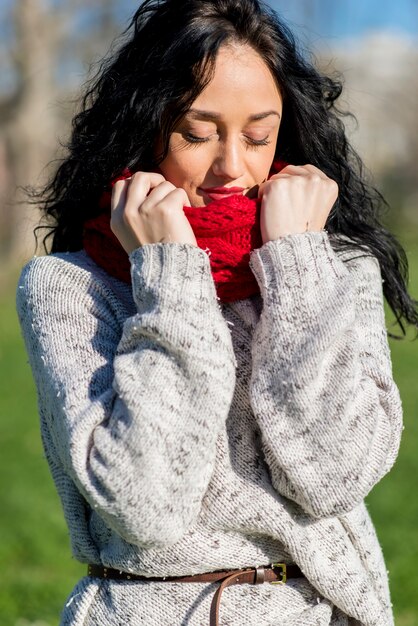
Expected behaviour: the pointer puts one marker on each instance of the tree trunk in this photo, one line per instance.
(31, 132)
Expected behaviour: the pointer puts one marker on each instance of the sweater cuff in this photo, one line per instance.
(173, 274)
(297, 262)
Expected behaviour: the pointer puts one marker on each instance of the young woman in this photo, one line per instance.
(207, 334)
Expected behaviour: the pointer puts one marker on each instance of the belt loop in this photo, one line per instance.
(260, 575)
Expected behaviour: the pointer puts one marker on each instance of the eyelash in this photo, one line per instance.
(253, 142)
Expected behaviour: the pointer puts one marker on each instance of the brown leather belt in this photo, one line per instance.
(275, 573)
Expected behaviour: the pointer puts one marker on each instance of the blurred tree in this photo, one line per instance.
(46, 45)
(28, 127)
(50, 40)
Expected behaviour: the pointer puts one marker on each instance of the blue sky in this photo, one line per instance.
(336, 19)
(318, 22)
(319, 19)
(332, 20)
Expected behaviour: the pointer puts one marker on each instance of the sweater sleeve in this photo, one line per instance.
(322, 388)
(133, 413)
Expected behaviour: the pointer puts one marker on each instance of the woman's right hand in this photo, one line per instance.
(146, 208)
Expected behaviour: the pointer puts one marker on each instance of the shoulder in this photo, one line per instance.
(364, 270)
(67, 271)
(357, 260)
(52, 278)
(67, 268)
(67, 281)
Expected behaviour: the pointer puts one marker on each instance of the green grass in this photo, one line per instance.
(393, 503)
(36, 568)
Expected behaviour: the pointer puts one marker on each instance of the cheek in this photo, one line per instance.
(172, 169)
(183, 167)
(262, 167)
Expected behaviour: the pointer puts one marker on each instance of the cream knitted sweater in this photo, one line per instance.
(185, 435)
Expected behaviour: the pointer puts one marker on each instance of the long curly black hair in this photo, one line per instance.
(161, 63)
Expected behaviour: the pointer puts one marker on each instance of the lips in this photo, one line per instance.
(223, 189)
(219, 193)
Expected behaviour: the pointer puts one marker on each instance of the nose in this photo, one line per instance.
(229, 161)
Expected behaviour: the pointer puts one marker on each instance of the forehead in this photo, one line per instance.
(242, 84)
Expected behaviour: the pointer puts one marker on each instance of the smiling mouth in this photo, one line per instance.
(223, 189)
(219, 193)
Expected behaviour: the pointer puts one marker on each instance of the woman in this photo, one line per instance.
(222, 400)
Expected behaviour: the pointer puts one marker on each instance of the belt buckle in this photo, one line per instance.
(283, 573)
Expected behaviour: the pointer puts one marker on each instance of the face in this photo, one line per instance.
(227, 141)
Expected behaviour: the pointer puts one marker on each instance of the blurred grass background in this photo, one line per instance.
(37, 570)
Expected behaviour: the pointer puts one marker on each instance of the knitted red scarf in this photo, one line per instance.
(227, 229)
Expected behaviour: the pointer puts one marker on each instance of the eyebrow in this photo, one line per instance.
(213, 116)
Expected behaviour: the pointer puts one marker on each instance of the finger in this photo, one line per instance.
(119, 192)
(290, 170)
(314, 170)
(175, 199)
(150, 179)
(171, 192)
(291, 167)
(303, 170)
(140, 186)
(306, 171)
(156, 195)
(186, 201)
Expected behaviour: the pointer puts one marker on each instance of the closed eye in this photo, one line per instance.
(193, 139)
(254, 142)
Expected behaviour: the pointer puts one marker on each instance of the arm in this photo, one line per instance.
(133, 415)
(322, 389)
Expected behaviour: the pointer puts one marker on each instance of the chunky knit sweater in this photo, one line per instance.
(185, 435)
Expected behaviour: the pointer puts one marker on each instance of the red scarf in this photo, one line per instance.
(227, 229)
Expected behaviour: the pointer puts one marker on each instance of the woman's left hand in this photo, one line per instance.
(296, 200)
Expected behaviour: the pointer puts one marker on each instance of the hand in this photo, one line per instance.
(148, 209)
(296, 200)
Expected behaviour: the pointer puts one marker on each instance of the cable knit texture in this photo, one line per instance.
(185, 435)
